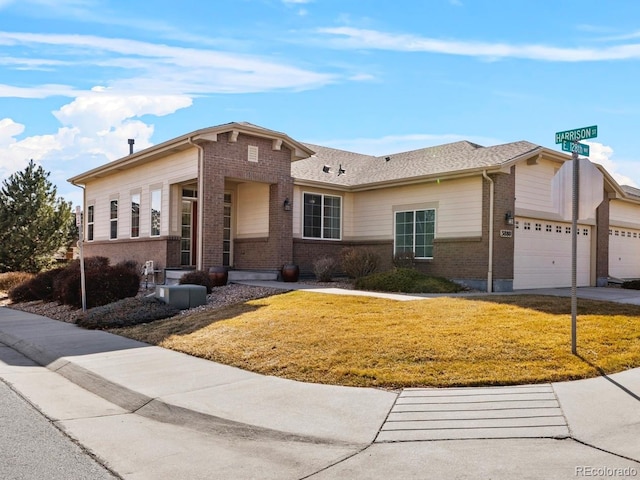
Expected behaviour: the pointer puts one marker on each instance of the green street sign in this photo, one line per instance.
(577, 134)
(575, 147)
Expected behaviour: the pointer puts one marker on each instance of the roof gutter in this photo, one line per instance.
(491, 201)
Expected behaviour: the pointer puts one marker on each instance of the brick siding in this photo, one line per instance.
(164, 251)
(225, 159)
(602, 242)
(306, 252)
(467, 259)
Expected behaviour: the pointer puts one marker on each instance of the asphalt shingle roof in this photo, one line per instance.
(632, 191)
(439, 160)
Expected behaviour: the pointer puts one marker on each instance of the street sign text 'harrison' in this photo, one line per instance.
(577, 134)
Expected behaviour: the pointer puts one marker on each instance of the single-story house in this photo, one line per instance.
(249, 198)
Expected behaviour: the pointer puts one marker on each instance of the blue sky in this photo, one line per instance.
(80, 77)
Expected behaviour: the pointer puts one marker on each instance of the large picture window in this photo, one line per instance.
(322, 216)
(415, 231)
(113, 219)
(156, 212)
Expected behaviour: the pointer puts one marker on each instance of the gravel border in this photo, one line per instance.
(220, 297)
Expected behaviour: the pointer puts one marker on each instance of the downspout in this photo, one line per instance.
(491, 199)
(199, 254)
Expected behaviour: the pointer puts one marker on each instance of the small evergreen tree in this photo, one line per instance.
(34, 223)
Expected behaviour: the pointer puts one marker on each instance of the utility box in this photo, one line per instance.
(182, 296)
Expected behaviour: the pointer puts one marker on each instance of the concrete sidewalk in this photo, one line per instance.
(178, 388)
(603, 413)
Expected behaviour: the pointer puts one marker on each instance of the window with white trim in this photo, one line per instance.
(415, 231)
(322, 216)
(113, 219)
(90, 219)
(156, 212)
(135, 215)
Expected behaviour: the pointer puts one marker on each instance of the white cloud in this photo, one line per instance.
(142, 79)
(601, 154)
(8, 130)
(357, 38)
(142, 66)
(95, 128)
(37, 91)
(100, 110)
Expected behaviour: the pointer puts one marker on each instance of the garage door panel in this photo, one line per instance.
(624, 252)
(542, 254)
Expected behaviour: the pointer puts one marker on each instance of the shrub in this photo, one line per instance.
(359, 262)
(40, 287)
(104, 284)
(406, 280)
(197, 277)
(43, 284)
(9, 280)
(21, 293)
(324, 268)
(130, 265)
(127, 312)
(93, 263)
(110, 284)
(405, 259)
(631, 284)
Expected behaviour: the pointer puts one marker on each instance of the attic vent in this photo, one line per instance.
(252, 154)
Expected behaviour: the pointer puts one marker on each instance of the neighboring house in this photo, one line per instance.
(249, 198)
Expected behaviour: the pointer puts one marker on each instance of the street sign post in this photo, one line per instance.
(572, 137)
(575, 147)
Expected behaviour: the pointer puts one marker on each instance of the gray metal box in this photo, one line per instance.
(182, 296)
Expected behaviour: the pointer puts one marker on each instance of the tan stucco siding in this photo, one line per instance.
(252, 210)
(458, 205)
(624, 214)
(160, 174)
(534, 191)
(369, 215)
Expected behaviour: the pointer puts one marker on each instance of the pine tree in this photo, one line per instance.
(34, 223)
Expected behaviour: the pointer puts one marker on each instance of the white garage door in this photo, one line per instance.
(542, 256)
(624, 253)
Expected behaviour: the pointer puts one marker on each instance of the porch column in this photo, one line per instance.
(280, 223)
(602, 242)
(211, 200)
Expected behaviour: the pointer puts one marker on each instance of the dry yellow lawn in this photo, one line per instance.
(361, 341)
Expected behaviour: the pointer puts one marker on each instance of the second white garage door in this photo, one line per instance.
(624, 252)
(542, 254)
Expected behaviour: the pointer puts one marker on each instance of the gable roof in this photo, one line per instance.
(362, 171)
(450, 159)
(184, 142)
